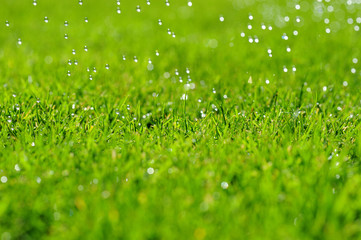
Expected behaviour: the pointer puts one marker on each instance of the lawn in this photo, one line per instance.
(217, 119)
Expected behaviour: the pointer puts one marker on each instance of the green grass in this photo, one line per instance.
(254, 152)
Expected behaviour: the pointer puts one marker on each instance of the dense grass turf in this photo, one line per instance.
(244, 124)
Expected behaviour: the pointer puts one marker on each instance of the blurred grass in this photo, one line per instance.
(288, 150)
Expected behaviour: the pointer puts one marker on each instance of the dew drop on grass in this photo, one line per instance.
(107, 66)
(68, 74)
(66, 36)
(221, 18)
(190, 3)
(46, 20)
(160, 22)
(73, 51)
(124, 58)
(169, 31)
(90, 77)
(156, 53)
(138, 8)
(85, 48)
(118, 2)
(7, 23)
(19, 41)
(86, 19)
(118, 10)
(135, 59)
(35, 2)
(167, 3)
(148, 2)
(69, 62)
(66, 23)
(80, 2)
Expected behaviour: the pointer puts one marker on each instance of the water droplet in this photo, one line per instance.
(148, 2)
(73, 51)
(66, 23)
(167, 3)
(90, 77)
(80, 2)
(135, 59)
(118, 10)
(66, 36)
(86, 19)
(138, 8)
(3, 179)
(224, 185)
(190, 4)
(35, 3)
(124, 58)
(94, 69)
(68, 74)
(107, 66)
(118, 2)
(156, 53)
(69, 62)
(7, 23)
(85, 48)
(17, 168)
(19, 41)
(221, 18)
(150, 171)
(160, 22)
(46, 20)
(285, 37)
(169, 31)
